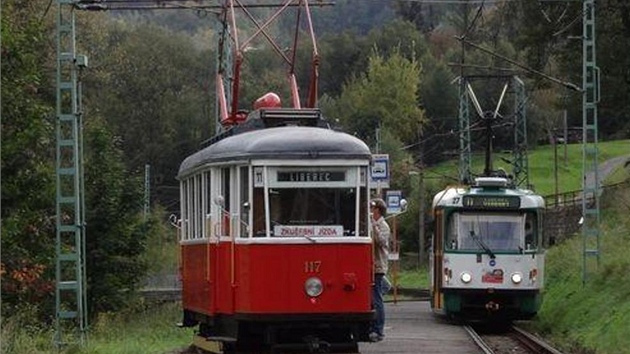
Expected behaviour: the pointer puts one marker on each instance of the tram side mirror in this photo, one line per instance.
(403, 205)
(219, 200)
(174, 221)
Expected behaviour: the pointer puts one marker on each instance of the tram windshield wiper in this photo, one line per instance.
(310, 239)
(481, 244)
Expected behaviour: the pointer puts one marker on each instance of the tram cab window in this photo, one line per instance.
(314, 206)
(531, 232)
(244, 201)
(258, 212)
(498, 232)
(451, 234)
(224, 201)
(334, 207)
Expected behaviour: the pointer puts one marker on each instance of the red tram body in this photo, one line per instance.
(275, 244)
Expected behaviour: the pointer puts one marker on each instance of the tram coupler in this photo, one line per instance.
(492, 306)
(316, 345)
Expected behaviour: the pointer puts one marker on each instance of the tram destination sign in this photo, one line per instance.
(311, 176)
(491, 202)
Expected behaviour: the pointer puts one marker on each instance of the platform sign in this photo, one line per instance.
(379, 171)
(392, 199)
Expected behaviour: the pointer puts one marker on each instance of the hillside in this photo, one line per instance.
(541, 165)
(592, 314)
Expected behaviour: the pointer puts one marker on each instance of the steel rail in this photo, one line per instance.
(533, 343)
(478, 340)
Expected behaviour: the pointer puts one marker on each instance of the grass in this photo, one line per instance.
(541, 165)
(591, 316)
(151, 331)
(148, 331)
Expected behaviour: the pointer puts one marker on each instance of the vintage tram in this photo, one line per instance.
(275, 244)
(487, 259)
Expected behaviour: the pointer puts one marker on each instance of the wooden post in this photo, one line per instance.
(396, 259)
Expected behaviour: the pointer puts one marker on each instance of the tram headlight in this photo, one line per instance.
(532, 274)
(466, 277)
(313, 286)
(517, 278)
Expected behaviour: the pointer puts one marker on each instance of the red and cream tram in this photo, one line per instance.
(275, 250)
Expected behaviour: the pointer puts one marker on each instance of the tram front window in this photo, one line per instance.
(334, 207)
(496, 232)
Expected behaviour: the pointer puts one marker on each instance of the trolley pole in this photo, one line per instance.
(421, 226)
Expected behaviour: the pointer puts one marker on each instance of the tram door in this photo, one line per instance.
(223, 201)
(437, 255)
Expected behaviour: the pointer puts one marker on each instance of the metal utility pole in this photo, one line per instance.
(464, 133)
(70, 291)
(591, 186)
(147, 190)
(520, 161)
(421, 200)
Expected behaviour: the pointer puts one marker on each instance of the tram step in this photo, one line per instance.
(212, 344)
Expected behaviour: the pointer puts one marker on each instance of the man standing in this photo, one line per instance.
(380, 239)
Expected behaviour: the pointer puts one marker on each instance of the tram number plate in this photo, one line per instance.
(312, 266)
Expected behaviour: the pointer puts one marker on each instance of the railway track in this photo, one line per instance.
(510, 340)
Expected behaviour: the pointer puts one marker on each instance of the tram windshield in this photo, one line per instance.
(323, 211)
(486, 232)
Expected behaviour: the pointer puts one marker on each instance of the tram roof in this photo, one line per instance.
(452, 197)
(286, 142)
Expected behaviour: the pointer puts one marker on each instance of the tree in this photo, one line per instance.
(153, 87)
(115, 234)
(28, 186)
(425, 17)
(384, 97)
(439, 98)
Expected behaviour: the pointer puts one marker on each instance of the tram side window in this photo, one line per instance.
(258, 211)
(451, 233)
(208, 204)
(190, 211)
(225, 208)
(198, 207)
(184, 209)
(531, 231)
(244, 202)
(363, 212)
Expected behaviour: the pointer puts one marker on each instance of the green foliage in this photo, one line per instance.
(162, 245)
(594, 314)
(346, 55)
(385, 96)
(115, 232)
(150, 330)
(355, 15)
(153, 88)
(27, 160)
(541, 165)
(22, 334)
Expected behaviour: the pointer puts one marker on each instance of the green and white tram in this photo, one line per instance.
(487, 258)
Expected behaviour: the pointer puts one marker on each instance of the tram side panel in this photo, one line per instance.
(199, 277)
